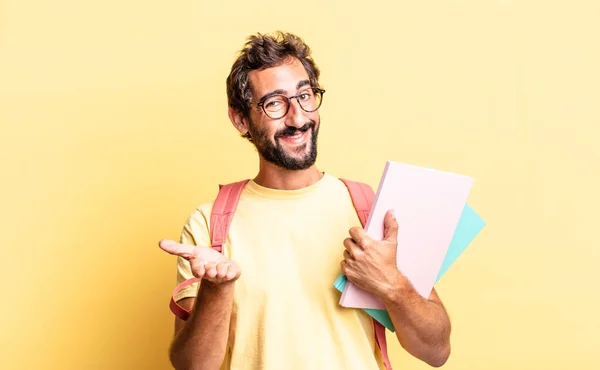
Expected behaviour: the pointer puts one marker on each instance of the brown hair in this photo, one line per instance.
(265, 51)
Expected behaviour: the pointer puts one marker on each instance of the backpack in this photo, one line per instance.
(220, 219)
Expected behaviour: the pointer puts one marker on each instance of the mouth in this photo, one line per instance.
(297, 138)
(296, 135)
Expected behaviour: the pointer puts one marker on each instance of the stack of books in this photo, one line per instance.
(435, 227)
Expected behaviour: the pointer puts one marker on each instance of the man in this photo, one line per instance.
(268, 302)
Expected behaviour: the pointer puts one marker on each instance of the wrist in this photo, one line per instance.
(397, 288)
(216, 288)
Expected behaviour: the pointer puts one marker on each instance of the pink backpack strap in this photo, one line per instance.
(220, 220)
(222, 212)
(179, 311)
(382, 343)
(362, 198)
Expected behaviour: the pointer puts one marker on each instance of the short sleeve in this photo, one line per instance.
(195, 232)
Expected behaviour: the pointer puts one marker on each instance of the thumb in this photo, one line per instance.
(390, 224)
(178, 249)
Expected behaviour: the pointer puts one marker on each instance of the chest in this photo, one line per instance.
(290, 248)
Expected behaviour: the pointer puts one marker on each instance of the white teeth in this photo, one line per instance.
(296, 137)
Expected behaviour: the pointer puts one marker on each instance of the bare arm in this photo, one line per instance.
(422, 325)
(201, 341)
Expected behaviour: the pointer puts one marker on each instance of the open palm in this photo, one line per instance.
(206, 263)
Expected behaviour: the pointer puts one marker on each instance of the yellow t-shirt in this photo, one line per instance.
(289, 244)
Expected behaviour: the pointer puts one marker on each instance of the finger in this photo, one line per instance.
(211, 270)
(198, 268)
(350, 245)
(232, 272)
(178, 249)
(390, 224)
(346, 268)
(347, 256)
(360, 237)
(354, 247)
(343, 265)
(222, 269)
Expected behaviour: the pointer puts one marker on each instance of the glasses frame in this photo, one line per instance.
(289, 101)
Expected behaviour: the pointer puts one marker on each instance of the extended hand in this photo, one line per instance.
(206, 263)
(371, 264)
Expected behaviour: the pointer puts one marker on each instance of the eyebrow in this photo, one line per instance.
(282, 92)
(302, 83)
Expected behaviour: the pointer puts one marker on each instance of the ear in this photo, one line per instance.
(239, 121)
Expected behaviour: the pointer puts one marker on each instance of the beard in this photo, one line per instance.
(272, 150)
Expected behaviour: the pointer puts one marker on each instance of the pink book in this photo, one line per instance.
(428, 204)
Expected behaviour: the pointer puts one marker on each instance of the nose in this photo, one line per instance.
(295, 116)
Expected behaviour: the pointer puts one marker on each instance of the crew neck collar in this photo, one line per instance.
(260, 190)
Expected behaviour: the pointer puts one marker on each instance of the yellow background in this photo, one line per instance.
(113, 128)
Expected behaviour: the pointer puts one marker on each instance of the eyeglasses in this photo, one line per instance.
(277, 106)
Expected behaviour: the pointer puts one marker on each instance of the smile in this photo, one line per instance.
(298, 138)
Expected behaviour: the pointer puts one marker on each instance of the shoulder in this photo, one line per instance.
(200, 214)
(196, 228)
(197, 225)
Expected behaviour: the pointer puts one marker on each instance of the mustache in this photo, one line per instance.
(289, 130)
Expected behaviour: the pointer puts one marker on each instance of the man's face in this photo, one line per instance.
(289, 142)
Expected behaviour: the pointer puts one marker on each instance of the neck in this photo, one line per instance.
(273, 177)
